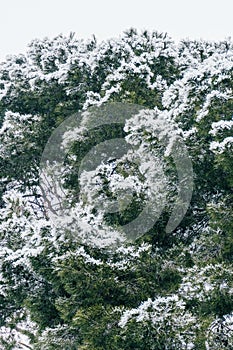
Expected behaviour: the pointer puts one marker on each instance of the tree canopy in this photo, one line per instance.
(99, 142)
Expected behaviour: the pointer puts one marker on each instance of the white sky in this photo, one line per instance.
(23, 20)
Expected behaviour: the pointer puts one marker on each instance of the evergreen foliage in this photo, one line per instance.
(165, 290)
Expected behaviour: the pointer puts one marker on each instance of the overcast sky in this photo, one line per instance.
(23, 20)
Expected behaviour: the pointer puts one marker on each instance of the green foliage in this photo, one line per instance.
(165, 290)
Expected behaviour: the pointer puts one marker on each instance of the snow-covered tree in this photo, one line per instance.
(99, 259)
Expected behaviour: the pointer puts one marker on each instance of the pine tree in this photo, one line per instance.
(156, 288)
